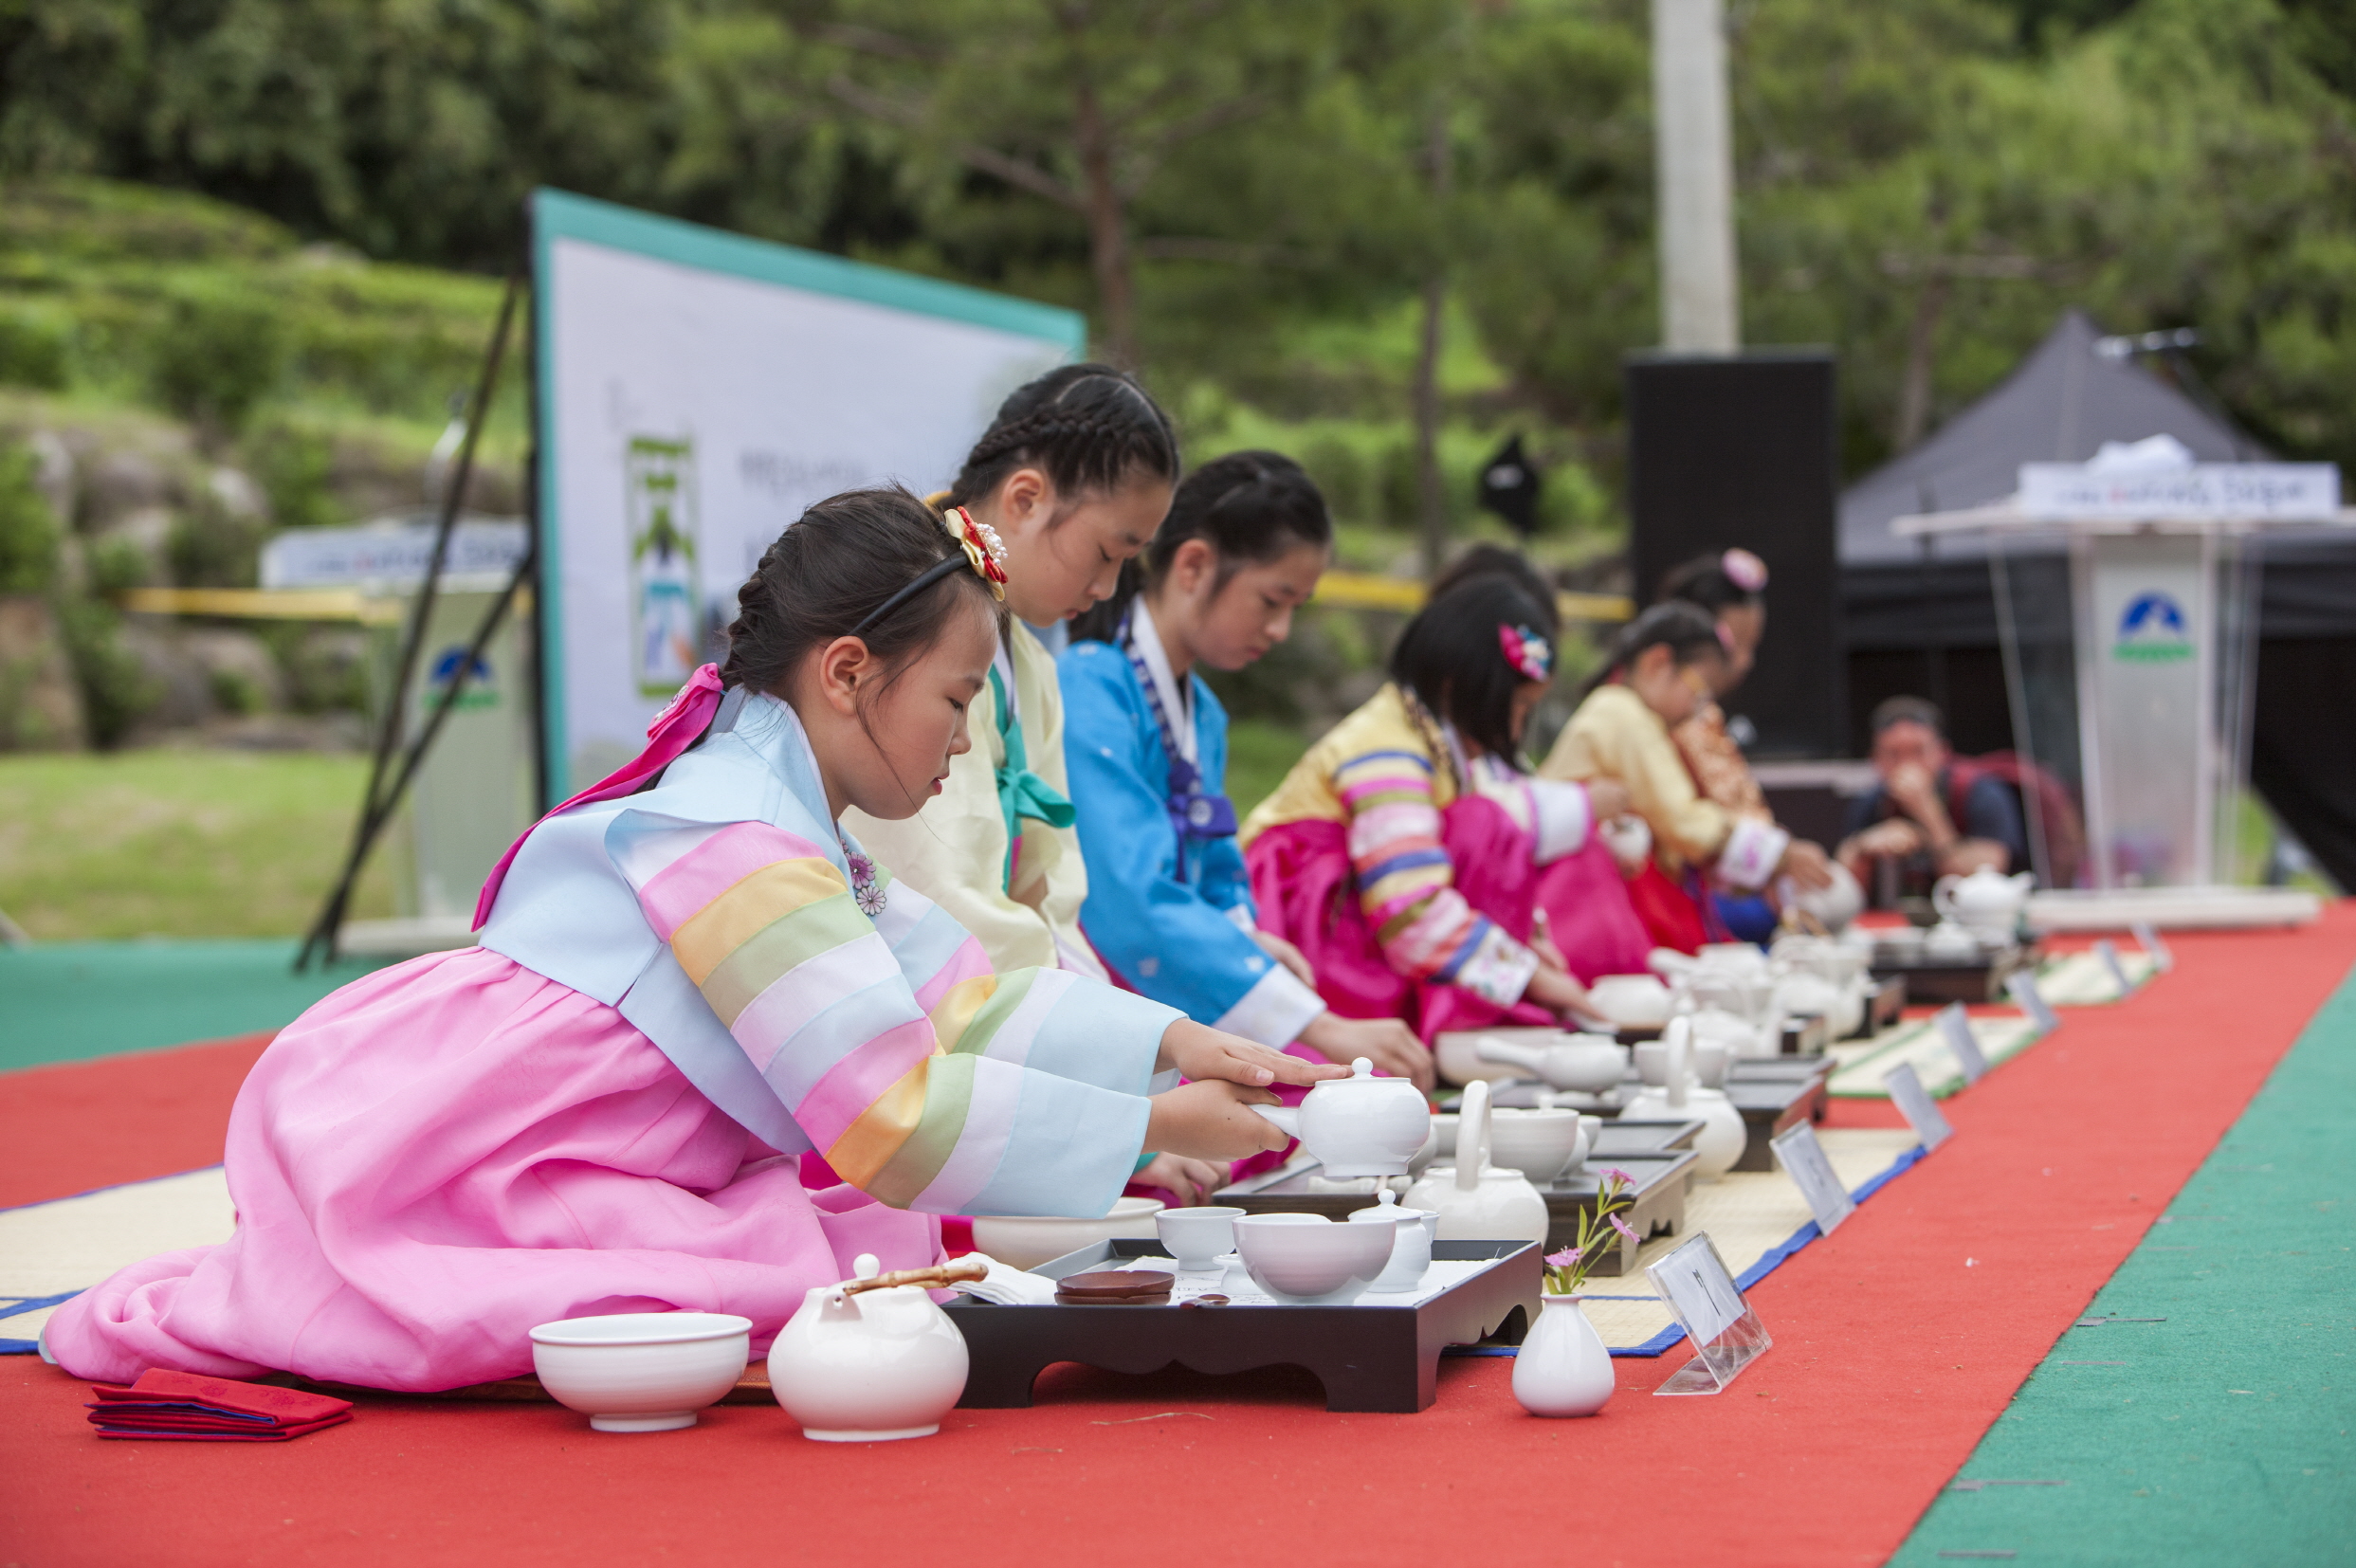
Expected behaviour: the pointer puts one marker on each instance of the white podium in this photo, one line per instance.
(2165, 568)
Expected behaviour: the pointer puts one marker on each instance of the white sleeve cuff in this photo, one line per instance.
(1274, 1011)
(1753, 850)
(1565, 817)
(1499, 969)
(1240, 915)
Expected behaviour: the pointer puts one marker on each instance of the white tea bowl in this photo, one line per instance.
(1539, 1145)
(642, 1371)
(1308, 1258)
(1632, 1001)
(1197, 1237)
(1026, 1241)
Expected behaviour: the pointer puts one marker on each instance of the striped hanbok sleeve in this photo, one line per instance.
(1407, 884)
(924, 1080)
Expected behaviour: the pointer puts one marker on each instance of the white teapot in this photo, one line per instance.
(1987, 901)
(1723, 1136)
(1475, 1201)
(865, 1362)
(1360, 1126)
(1591, 1063)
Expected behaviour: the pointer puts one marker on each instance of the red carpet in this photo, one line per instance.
(81, 1124)
(1897, 1343)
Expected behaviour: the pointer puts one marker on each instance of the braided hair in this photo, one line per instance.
(820, 579)
(1088, 428)
(1249, 507)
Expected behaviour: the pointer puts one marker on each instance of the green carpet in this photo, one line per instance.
(70, 1002)
(2221, 1436)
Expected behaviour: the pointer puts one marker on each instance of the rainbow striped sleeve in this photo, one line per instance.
(926, 1079)
(1407, 884)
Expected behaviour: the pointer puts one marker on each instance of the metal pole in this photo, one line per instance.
(377, 805)
(1694, 175)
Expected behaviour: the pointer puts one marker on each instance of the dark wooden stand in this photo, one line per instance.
(1368, 1358)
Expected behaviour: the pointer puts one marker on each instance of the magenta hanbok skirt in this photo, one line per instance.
(444, 1153)
(1307, 893)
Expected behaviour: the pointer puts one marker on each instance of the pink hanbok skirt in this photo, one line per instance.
(1307, 893)
(444, 1153)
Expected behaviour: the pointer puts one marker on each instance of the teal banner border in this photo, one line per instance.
(560, 215)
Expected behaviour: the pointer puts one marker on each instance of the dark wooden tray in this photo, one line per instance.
(1662, 1171)
(1935, 982)
(1368, 1358)
(1774, 1093)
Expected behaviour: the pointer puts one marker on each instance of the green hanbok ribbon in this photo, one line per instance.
(1022, 793)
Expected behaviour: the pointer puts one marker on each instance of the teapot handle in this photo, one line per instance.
(1472, 1135)
(1678, 1036)
(1942, 896)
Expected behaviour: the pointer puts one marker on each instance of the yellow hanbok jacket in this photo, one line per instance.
(1615, 736)
(954, 851)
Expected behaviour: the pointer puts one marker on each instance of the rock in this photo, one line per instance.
(40, 706)
(121, 483)
(238, 494)
(184, 688)
(147, 529)
(54, 474)
(240, 673)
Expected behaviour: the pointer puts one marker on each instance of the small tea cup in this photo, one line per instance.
(1197, 1237)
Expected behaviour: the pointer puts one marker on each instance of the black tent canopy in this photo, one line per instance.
(1921, 613)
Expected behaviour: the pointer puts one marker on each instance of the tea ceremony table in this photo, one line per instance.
(2102, 1323)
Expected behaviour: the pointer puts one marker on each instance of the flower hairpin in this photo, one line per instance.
(1745, 570)
(983, 549)
(1527, 652)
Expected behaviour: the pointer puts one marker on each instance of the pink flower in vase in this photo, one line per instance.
(1622, 1227)
(1568, 1258)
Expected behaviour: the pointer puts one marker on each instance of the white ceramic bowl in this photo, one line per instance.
(642, 1371)
(1197, 1237)
(1026, 1241)
(1537, 1143)
(1309, 1258)
(1710, 1064)
(1633, 1001)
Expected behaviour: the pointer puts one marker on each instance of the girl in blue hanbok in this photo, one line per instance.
(1169, 905)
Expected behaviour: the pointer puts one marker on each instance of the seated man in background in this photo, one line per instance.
(1931, 815)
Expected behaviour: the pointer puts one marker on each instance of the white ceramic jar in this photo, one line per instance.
(1564, 1367)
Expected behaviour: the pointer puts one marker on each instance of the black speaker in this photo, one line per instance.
(1742, 451)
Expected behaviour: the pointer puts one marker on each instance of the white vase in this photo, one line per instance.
(1562, 1368)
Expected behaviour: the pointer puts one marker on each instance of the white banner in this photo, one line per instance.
(2223, 491)
(696, 391)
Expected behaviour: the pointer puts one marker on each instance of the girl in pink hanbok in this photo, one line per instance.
(688, 978)
(1409, 858)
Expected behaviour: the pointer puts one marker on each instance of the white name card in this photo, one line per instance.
(1914, 1103)
(1694, 1282)
(1726, 1334)
(1805, 1160)
(2070, 491)
(2021, 985)
(1955, 1028)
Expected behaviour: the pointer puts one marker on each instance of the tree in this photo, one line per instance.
(1081, 104)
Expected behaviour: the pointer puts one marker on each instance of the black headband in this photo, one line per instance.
(932, 575)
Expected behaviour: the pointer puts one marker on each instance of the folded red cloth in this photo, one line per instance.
(182, 1405)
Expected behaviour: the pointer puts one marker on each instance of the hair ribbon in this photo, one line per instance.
(1527, 652)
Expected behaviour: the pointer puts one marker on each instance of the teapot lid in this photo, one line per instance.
(1362, 1071)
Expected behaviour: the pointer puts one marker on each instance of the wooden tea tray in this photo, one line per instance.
(1658, 1160)
(1935, 982)
(1369, 1357)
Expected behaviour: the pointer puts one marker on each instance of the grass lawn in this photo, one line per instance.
(173, 843)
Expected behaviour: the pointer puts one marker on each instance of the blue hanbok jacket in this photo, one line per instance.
(1182, 939)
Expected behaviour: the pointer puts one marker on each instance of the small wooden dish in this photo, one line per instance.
(1116, 1288)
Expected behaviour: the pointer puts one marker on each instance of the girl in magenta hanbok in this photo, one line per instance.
(687, 979)
(1409, 858)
